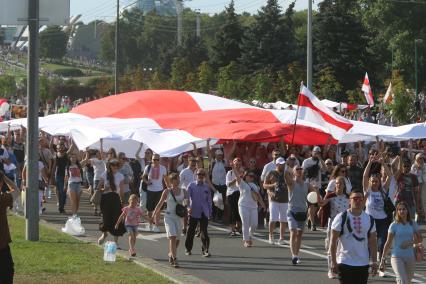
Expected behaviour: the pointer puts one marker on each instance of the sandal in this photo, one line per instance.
(175, 263)
(170, 259)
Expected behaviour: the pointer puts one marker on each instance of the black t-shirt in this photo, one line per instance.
(19, 151)
(281, 191)
(355, 175)
(61, 164)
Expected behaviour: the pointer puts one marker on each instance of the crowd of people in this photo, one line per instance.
(369, 196)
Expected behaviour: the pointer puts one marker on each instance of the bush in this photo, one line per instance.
(68, 72)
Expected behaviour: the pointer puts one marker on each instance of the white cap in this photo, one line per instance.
(218, 152)
(280, 161)
(316, 149)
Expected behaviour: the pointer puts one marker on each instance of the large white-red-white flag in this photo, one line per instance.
(313, 110)
(368, 93)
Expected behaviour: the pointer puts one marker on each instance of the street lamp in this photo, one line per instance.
(416, 63)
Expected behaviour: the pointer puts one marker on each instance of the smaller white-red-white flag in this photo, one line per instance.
(388, 99)
(366, 88)
(313, 110)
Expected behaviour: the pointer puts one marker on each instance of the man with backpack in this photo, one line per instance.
(353, 242)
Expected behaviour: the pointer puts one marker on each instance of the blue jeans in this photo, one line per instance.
(62, 195)
(382, 226)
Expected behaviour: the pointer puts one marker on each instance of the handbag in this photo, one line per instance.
(144, 185)
(181, 210)
(299, 216)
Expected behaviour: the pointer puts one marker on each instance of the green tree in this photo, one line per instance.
(53, 43)
(340, 42)
(158, 82)
(263, 85)
(327, 87)
(180, 69)
(231, 82)
(206, 77)
(270, 41)
(402, 108)
(226, 46)
(7, 85)
(44, 91)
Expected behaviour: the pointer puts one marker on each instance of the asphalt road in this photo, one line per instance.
(230, 261)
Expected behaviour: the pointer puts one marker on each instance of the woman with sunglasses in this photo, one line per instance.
(247, 205)
(403, 235)
(112, 182)
(375, 197)
(333, 203)
(339, 171)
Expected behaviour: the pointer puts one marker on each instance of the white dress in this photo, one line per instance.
(172, 222)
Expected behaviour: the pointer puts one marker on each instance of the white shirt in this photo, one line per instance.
(349, 250)
(230, 176)
(156, 184)
(269, 167)
(98, 168)
(187, 176)
(218, 173)
(332, 185)
(40, 169)
(375, 205)
(246, 200)
(420, 173)
(118, 178)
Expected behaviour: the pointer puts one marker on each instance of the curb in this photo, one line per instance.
(173, 274)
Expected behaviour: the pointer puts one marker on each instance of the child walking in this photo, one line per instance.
(131, 215)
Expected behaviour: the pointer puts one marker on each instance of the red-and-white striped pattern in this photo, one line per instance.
(207, 116)
(313, 110)
(368, 93)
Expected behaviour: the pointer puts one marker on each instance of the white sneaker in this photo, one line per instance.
(281, 242)
(148, 228)
(382, 273)
(155, 229)
(271, 240)
(332, 275)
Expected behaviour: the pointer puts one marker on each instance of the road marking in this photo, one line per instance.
(316, 254)
(153, 237)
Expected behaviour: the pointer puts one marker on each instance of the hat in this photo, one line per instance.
(280, 161)
(218, 152)
(316, 149)
(292, 157)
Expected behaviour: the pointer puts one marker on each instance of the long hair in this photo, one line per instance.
(110, 178)
(398, 218)
(336, 170)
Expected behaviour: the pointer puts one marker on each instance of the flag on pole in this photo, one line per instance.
(366, 88)
(388, 99)
(310, 108)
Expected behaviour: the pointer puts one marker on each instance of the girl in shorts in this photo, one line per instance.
(131, 215)
(73, 175)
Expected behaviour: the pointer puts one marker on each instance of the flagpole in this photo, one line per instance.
(297, 113)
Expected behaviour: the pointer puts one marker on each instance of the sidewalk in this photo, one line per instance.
(53, 219)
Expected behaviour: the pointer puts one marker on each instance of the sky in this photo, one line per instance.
(105, 9)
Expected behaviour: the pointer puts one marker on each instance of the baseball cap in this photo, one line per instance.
(280, 161)
(316, 149)
(218, 152)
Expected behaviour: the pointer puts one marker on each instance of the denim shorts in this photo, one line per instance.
(131, 229)
(74, 186)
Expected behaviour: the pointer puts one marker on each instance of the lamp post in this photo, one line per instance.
(416, 68)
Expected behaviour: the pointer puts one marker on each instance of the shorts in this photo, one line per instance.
(278, 212)
(152, 198)
(173, 225)
(293, 224)
(131, 229)
(75, 187)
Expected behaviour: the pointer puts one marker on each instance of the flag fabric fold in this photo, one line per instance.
(368, 93)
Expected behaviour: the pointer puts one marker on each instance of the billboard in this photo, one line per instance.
(52, 12)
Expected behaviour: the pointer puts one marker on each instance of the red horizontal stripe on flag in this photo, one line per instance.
(306, 102)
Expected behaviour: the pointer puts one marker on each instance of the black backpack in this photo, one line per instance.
(348, 224)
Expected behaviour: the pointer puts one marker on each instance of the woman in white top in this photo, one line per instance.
(112, 182)
(339, 171)
(233, 195)
(247, 205)
(73, 177)
(172, 222)
(419, 169)
(337, 202)
(127, 172)
(375, 197)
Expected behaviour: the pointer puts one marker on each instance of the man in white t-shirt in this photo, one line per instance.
(350, 250)
(187, 175)
(271, 166)
(154, 176)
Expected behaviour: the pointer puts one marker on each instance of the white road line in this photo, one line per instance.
(153, 237)
(317, 254)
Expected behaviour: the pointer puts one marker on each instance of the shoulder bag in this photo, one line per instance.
(181, 210)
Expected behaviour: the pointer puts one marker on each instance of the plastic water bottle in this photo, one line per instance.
(110, 251)
(49, 192)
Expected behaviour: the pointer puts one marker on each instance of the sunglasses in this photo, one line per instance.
(299, 169)
(200, 174)
(155, 159)
(328, 164)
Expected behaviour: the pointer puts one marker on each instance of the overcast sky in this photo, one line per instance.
(105, 9)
